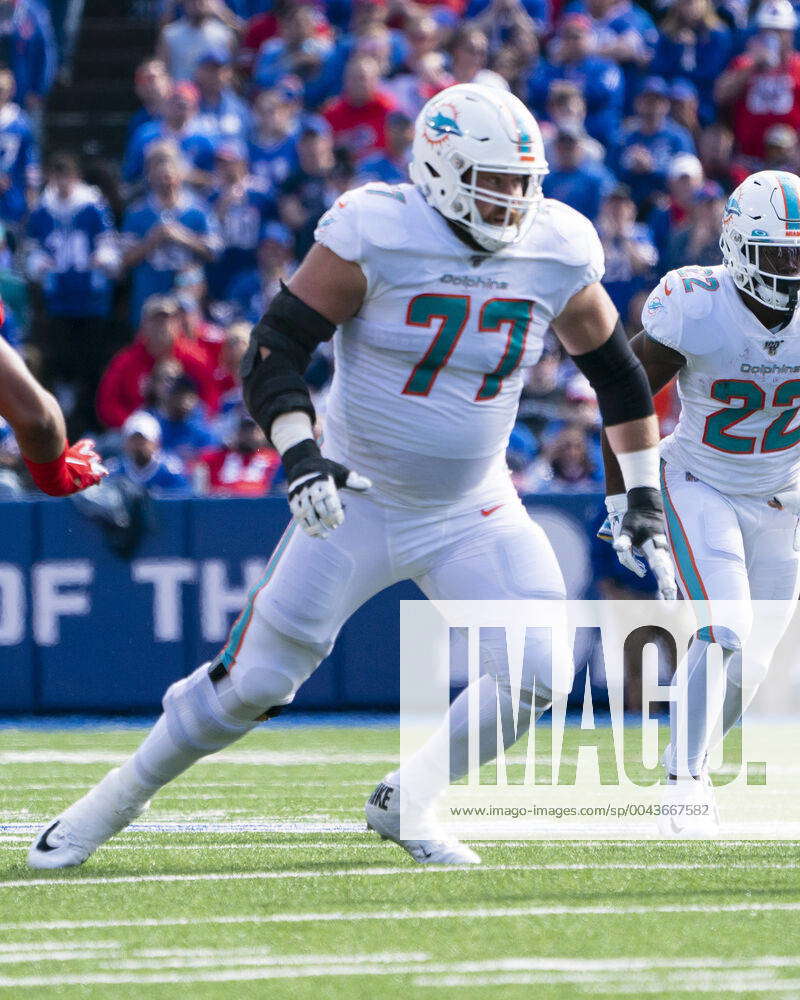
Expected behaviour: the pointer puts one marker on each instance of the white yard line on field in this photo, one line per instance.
(25, 946)
(272, 758)
(603, 984)
(343, 916)
(262, 845)
(242, 826)
(394, 870)
(593, 974)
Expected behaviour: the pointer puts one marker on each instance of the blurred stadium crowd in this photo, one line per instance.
(256, 114)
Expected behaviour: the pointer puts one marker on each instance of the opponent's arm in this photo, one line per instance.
(591, 331)
(38, 426)
(323, 292)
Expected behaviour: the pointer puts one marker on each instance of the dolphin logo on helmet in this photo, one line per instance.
(442, 125)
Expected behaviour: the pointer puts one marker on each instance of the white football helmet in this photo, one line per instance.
(470, 128)
(760, 239)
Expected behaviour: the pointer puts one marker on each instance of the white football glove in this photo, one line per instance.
(314, 498)
(314, 484)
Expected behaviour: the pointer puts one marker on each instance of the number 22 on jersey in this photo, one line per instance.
(776, 436)
(452, 312)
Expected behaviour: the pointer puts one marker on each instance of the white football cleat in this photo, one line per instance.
(691, 808)
(383, 816)
(76, 834)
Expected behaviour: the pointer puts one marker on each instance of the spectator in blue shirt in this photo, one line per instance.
(567, 108)
(9, 330)
(504, 17)
(599, 80)
(221, 113)
(390, 165)
(576, 180)
(241, 207)
(630, 253)
(649, 141)
(310, 191)
(179, 126)
(28, 48)
(367, 34)
(624, 34)
(298, 48)
(153, 86)
(695, 45)
(19, 154)
(251, 291)
(185, 430)
(167, 231)
(273, 144)
(684, 107)
(72, 253)
(698, 241)
(672, 212)
(144, 464)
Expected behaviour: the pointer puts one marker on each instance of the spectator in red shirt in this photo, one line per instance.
(226, 370)
(358, 117)
(449, 11)
(246, 468)
(124, 382)
(190, 294)
(761, 87)
(780, 153)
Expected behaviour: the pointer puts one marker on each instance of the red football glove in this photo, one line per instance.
(77, 468)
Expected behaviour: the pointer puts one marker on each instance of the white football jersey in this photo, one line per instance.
(428, 374)
(739, 389)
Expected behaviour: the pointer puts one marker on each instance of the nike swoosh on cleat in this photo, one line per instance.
(486, 511)
(43, 844)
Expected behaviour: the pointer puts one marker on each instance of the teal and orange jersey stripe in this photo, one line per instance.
(242, 623)
(685, 562)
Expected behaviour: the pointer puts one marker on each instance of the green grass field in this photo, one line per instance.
(301, 901)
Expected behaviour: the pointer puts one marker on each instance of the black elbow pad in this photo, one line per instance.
(618, 378)
(291, 330)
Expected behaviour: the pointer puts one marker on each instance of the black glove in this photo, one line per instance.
(643, 528)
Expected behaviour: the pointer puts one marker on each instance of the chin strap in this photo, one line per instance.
(792, 305)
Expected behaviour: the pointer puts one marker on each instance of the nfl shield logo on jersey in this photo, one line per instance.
(771, 347)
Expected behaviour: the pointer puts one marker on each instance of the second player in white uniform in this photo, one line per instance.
(731, 467)
(442, 292)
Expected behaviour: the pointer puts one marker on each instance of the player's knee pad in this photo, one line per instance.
(195, 717)
(271, 676)
(731, 623)
(730, 638)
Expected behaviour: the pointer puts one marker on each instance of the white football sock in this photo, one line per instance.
(695, 706)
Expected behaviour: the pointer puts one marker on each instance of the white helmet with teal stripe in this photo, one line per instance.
(760, 239)
(467, 129)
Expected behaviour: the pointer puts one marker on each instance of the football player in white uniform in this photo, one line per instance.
(441, 291)
(731, 468)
